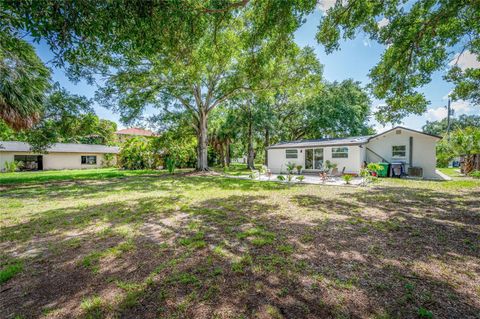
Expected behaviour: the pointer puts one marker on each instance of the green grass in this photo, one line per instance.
(170, 247)
(71, 175)
(451, 171)
(8, 271)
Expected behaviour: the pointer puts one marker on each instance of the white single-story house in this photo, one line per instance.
(414, 149)
(58, 156)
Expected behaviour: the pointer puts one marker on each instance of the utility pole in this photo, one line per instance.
(450, 112)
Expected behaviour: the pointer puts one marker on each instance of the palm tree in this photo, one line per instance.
(466, 142)
(24, 80)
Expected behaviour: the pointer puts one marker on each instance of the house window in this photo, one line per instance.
(340, 152)
(399, 151)
(89, 160)
(291, 153)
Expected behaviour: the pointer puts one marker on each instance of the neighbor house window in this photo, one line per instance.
(340, 152)
(399, 151)
(291, 153)
(89, 160)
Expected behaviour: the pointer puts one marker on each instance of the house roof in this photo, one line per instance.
(135, 131)
(9, 146)
(356, 140)
(407, 129)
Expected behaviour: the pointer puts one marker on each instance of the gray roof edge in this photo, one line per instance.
(313, 145)
(16, 146)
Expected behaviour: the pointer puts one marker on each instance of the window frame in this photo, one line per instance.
(397, 151)
(86, 162)
(290, 149)
(335, 152)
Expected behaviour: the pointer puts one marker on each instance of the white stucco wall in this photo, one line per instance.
(277, 161)
(55, 161)
(424, 153)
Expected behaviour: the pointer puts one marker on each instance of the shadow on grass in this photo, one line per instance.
(101, 188)
(236, 256)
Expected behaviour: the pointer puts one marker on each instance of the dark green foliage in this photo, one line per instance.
(421, 38)
(440, 127)
(9, 270)
(24, 80)
(138, 153)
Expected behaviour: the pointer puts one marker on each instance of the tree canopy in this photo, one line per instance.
(24, 81)
(421, 37)
(440, 127)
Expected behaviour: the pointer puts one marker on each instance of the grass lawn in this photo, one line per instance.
(150, 245)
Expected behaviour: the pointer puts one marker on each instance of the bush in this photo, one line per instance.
(290, 167)
(253, 174)
(281, 178)
(13, 166)
(475, 174)
(108, 160)
(138, 153)
(170, 162)
(347, 178)
(300, 178)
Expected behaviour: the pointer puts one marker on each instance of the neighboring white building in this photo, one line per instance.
(58, 156)
(412, 148)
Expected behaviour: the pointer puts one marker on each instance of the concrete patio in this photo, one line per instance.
(308, 179)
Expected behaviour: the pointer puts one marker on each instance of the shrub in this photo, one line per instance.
(375, 167)
(253, 174)
(13, 166)
(263, 169)
(138, 153)
(281, 178)
(347, 178)
(300, 178)
(290, 167)
(289, 178)
(170, 162)
(108, 160)
(330, 165)
(475, 174)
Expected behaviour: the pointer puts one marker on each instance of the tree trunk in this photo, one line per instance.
(227, 151)
(267, 143)
(468, 164)
(202, 162)
(251, 152)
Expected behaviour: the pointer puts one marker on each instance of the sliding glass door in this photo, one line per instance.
(314, 158)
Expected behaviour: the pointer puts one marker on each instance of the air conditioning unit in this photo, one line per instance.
(415, 171)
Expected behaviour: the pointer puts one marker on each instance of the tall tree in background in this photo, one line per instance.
(420, 38)
(66, 118)
(193, 54)
(440, 127)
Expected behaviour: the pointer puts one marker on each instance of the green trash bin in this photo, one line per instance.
(384, 171)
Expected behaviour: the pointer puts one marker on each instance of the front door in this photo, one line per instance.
(40, 162)
(314, 158)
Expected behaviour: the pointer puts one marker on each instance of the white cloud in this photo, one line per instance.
(383, 22)
(326, 4)
(460, 107)
(466, 60)
(367, 42)
(436, 113)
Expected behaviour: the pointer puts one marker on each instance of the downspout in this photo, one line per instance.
(410, 152)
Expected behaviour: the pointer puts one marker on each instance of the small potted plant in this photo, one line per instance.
(299, 169)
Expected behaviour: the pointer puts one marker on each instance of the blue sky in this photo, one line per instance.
(354, 60)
